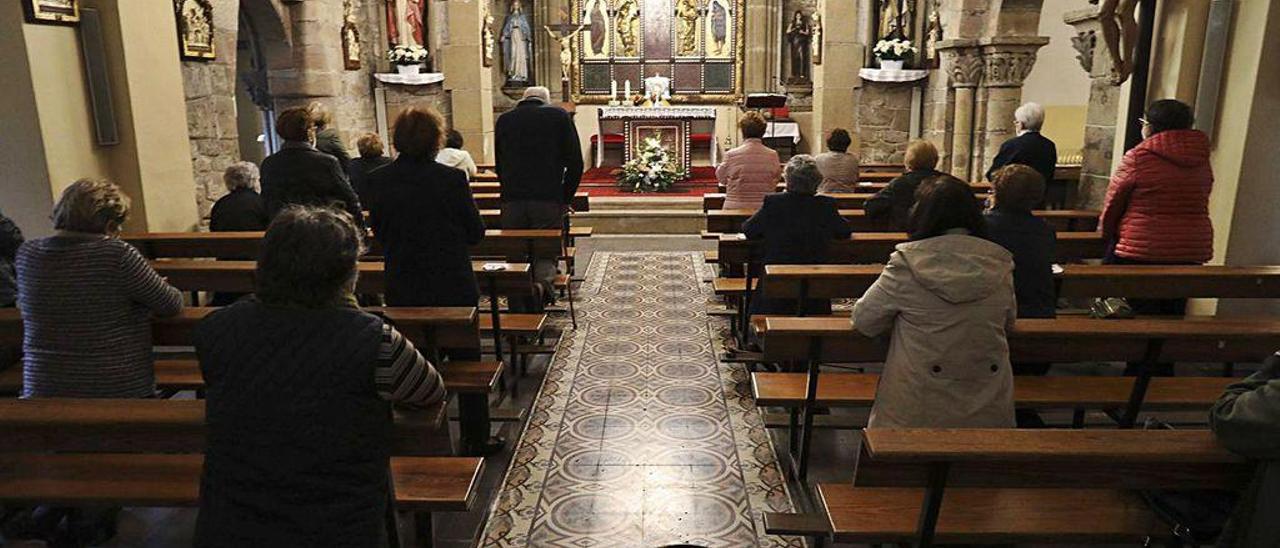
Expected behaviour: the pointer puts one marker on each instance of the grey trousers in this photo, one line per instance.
(536, 214)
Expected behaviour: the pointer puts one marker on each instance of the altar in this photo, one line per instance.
(672, 125)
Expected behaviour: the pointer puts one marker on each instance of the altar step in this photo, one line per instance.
(644, 215)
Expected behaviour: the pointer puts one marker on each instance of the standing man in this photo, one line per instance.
(539, 164)
(1029, 148)
(300, 174)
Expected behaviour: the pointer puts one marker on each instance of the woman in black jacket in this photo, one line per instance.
(425, 218)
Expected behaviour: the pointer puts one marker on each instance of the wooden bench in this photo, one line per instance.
(926, 487)
(493, 200)
(149, 453)
(715, 200)
(727, 221)
(813, 341)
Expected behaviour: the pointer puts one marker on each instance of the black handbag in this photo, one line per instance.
(1196, 517)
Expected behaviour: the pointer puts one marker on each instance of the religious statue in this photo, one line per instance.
(486, 33)
(1119, 27)
(517, 45)
(598, 24)
(815, 47)
(350, 36)
(798, 39)
(687, 15)
(405, 23)
(933, 33)
(566, 50)
(719, 23)
(627, 28)
(890, 18)
(657, 90)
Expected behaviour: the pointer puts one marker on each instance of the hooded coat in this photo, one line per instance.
(1157, 207)
(1246, 420)
(947, 302)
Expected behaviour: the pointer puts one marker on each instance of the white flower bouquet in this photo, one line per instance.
(652, 170)
(894, 49)
(407, 55)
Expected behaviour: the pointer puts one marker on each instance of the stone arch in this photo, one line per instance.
(1013, 18)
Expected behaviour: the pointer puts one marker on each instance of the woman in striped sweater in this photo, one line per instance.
(87, 300)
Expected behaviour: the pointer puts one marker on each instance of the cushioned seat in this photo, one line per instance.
(609, 139)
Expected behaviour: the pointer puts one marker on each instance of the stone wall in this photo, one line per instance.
(883, 121)
(400, 97)
(211, 108)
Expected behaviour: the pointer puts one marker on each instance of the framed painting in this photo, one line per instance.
(195, 29)
(53, 12)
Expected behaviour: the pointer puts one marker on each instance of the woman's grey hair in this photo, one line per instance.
(1030, 115)
(241, 175)
(308, 258)
(802, 174)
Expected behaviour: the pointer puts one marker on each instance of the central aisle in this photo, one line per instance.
(640, 438)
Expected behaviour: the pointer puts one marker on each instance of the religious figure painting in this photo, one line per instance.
(627, 29)
(350, 36)
(596, 36)
(405, 23)
(719, 35)
(61, 12)
(687, 16)
(799, 35)
(195, 29)
(517, 46)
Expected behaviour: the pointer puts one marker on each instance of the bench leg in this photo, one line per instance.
(1077, 418)
(1140, 384)
(473, 424)
(422, 525)
(932, 505)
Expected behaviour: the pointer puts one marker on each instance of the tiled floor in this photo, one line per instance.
(640, 438)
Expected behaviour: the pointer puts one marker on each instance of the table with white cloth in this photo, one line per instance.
(673, 126)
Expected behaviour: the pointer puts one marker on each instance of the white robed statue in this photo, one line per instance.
(517, 45)
(657, 90)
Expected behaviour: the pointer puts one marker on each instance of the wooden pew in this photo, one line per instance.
(728, 221)
(926, 487)
(493, 200)
(875, 248)
(1146, 341)
(150, 453)
(432, 330)
(715, 200)
(520, 245)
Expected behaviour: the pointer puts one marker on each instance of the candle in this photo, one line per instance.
(628, 90)
(613, 90)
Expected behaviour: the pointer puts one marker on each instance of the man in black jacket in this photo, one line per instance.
(539, 164)
(300, 174)
(1029, 148)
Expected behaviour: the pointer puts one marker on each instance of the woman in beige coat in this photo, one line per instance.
(947, 295)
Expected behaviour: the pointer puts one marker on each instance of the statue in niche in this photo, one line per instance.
(798, 39)
(566, 50)
(815, 28)
(350, 36)
(598, 23)
(486, 34)
(517, 45)
(627, 28)
(687, 14)
(405, 23)
(933, 33)
(719, 22)
(1119, 28)
(891, 18)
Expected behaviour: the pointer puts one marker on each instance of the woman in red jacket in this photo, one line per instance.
(1157, 207)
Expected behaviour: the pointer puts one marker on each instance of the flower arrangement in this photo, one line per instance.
(652, 170)
(407, 55)
(894, 49)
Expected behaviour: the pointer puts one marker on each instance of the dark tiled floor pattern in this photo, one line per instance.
(640, 437)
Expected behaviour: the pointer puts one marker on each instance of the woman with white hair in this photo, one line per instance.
(795, 227)
(1029, 148)
(242, 208)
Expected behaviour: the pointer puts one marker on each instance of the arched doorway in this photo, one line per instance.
(262, 46)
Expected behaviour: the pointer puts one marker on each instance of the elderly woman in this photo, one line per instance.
(454, 156)
(425, 218)
(299, 174)
(839, 168)
(795, 227)
(371, 158)
(1029, 148)
(87, 300)
(242, 208)
(751, 170)
(892, 205)
(299, 385)
(946, 298)
(328, 140)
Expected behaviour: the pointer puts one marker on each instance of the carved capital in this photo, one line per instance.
(1007, 68)
(1085, 43)
(964, 66)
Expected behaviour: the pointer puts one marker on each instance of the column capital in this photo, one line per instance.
(1008, 60)
(962, 60)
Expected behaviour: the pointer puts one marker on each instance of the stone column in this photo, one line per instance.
(1006, 60)
(316, 70)
(835, 80)
(963, 64)
(469, 82)
(1104, 102)
(763, 41)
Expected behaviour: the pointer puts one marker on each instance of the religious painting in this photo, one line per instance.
(406, 23)
(626, 29)
(595, 36)
(56, 12)
(350, 36)
(195, 29)
(719, 37)
(799, 37)
(688, 21)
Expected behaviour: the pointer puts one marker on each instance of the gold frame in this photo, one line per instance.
(40, 12)
(739, 62)
(185, 51)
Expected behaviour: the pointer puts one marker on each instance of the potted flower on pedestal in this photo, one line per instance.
(408, 60)
(893, 52)
(652, 170)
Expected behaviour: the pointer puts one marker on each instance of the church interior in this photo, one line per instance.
(714, 287)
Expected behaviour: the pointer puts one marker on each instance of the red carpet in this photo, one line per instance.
(603, 181)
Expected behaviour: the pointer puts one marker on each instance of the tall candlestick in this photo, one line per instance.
(628, 91)
(613, 90)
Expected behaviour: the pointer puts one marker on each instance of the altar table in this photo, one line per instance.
(673, 125)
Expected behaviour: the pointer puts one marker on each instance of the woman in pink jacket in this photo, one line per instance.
(751, 170)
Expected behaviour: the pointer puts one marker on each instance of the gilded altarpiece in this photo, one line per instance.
(696, 43)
